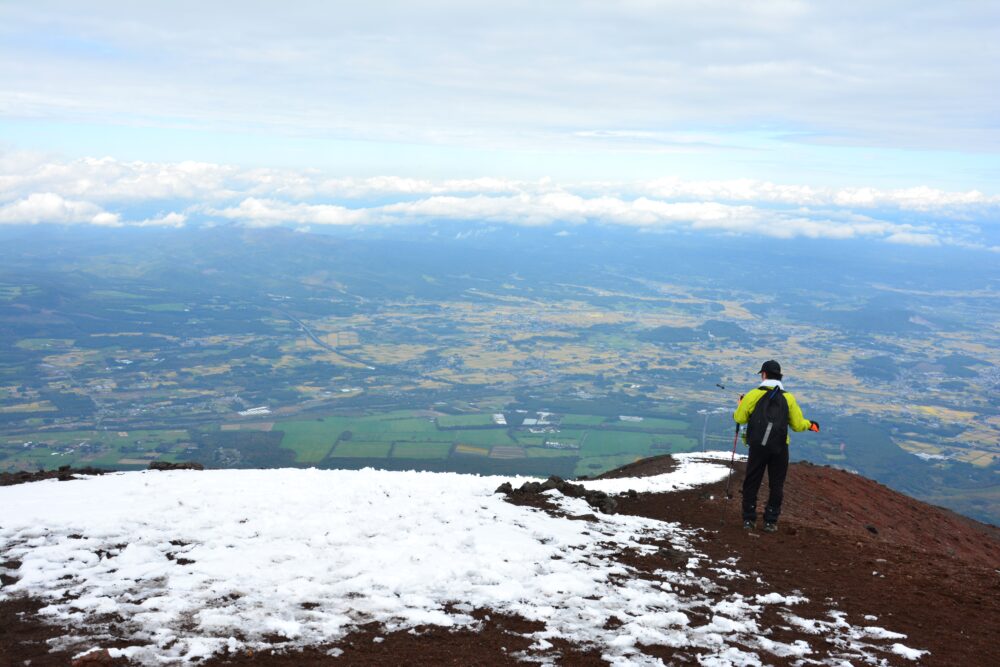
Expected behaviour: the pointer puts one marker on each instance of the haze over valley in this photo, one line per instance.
(560, 350)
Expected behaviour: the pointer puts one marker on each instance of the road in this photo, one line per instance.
(324, 345)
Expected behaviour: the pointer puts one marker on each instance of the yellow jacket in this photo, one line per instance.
(796, 421)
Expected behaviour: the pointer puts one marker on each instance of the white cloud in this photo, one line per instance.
(565, 208)
(913, 238)
(108, 192)
(270, 212)
(378, 185)
(51, 208)
(48, 207)
(920, 198)
(172, 219)
(107, 179)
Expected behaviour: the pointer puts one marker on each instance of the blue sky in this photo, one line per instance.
(597, 99)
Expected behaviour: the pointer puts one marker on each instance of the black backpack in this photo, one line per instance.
(768, 423)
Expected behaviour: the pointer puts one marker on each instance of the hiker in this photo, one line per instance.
(769, 411)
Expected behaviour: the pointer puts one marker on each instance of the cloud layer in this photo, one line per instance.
(894, 72)
(108, 192)
(764, 83)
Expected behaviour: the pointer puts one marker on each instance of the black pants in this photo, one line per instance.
(775, 459)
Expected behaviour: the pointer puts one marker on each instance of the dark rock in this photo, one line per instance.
(63, 474)
(181, 465)
(678, 558)
(552, 482)
(871, 529)
(597, 499)
(613, 623)
(100, 657)
(608, 505)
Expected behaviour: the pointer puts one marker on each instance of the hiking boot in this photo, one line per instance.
(748, 525)
(770, 527)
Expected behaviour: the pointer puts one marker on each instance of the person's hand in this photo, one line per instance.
(814, 426)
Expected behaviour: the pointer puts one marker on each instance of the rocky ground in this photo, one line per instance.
(63, 474)
(844, 542)
(922, 570)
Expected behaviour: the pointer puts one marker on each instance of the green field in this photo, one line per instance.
(531, 439)
(483, 437)
(404, 434)
(393, 422)
(584, 420)
(98, 448)
(675, 443)
(111, 438)
(397, 425)
(568, 435)
(654, 424)
(453, 421)
(361, 449)
(539, 452)
(311, 440)
(605, 443)
(421, 450)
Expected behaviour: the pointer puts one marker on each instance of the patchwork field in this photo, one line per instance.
(413, 438)
(402, 436)
(110, 449)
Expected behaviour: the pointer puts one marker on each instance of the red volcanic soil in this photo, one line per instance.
(922, 570)
(843, 540)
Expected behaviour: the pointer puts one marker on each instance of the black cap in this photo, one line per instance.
(772, 368)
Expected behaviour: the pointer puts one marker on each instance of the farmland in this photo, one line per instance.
(410, 438)
(260, 348)
(118, 449)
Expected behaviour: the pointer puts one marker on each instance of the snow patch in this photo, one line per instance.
(907, 652)
(777, 598)
(693, 469)
(194, 560)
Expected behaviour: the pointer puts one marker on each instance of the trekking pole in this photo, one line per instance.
(732, 460)
(732, 463)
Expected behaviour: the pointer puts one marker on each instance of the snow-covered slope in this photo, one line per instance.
(196, 563)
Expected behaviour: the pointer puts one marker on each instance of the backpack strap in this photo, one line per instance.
(770, 392)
